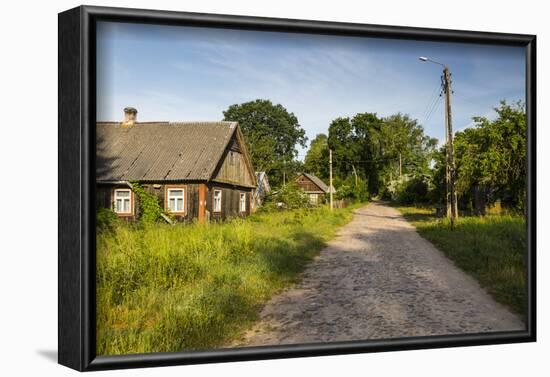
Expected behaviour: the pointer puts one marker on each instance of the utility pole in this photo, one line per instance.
(355, 174)
(330, 176)
(452, 206)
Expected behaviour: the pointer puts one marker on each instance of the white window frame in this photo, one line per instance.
(242, 202)
(314, 199)
(169, 196)
(217, 207)
(129, 198)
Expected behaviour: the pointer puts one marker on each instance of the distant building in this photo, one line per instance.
(261, 190)
(314, 187)
(197, 170)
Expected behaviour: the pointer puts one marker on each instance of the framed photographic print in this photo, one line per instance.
(239, 188)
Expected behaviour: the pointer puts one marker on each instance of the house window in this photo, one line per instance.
(242, 202)
(175, 200)
(123, 201)
(217, 201)
(313, 199)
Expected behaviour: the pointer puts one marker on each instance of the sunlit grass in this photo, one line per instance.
(164, 288)
(491, 248)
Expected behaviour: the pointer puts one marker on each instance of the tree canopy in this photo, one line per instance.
(383, 155)
(372, 147)
(272, 135)
(492, 155)
(316, 159)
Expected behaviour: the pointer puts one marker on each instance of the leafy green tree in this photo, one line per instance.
(316, 160)
(371, 147)
(406, 144)
(491, 157)
(272, 135)
(341, 139)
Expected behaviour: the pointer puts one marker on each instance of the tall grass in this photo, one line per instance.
(491, 248)
(163, 288)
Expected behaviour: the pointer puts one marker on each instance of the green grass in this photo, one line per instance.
(165, 288)
(490, 248)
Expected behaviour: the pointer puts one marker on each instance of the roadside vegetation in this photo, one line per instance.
(491, 248)
(163, 288)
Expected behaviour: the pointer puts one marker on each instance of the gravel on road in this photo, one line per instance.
(378, 279)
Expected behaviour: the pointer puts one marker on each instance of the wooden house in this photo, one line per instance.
(197, 170)
(314, 187)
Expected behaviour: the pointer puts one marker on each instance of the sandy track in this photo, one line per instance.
(378, 279)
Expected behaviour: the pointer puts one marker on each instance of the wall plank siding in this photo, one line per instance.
(307, 185)
(233, 168)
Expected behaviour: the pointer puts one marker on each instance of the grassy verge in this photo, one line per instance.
(167, 288)
(490, 248)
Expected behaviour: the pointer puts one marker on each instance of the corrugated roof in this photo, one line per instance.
(156, 151)
(318, 182)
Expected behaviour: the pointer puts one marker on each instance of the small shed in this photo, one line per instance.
(314, 187)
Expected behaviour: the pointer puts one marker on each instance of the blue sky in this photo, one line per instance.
(186, 73)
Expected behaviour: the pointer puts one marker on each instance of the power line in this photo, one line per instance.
(434, 108)
(433, 97)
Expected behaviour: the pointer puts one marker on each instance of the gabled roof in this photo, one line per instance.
(263, 181)
(162, 151)
(318, 182)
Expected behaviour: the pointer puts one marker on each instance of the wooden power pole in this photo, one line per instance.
(355, 174)
(452, 206)
(330, 177)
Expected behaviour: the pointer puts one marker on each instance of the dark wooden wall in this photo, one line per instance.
(233, 168)
(307, 185)
(230, 199)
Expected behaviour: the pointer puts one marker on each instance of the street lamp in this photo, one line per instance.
(426, 59)
(452, 206)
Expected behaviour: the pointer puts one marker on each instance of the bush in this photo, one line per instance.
(410, 190)
(348, 190)
(150, 209)
(106, 219)
(290, 196)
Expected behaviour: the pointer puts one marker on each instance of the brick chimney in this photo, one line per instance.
(130, 117)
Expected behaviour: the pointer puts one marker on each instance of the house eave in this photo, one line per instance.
(233, 183)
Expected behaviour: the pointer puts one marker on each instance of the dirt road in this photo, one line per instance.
(378, 279)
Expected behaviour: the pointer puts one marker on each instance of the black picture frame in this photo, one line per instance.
(76, 186)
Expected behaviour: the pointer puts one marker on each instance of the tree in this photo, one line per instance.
(370, 147)
(379, 149)
(409, 149)
(272, 134)
(491, 158)
(316, 160)
(341, 139)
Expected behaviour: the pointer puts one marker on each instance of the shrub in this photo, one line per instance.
(348, 190)
(290, 196)
(106, 219)
(150, 209)
(409, 190)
